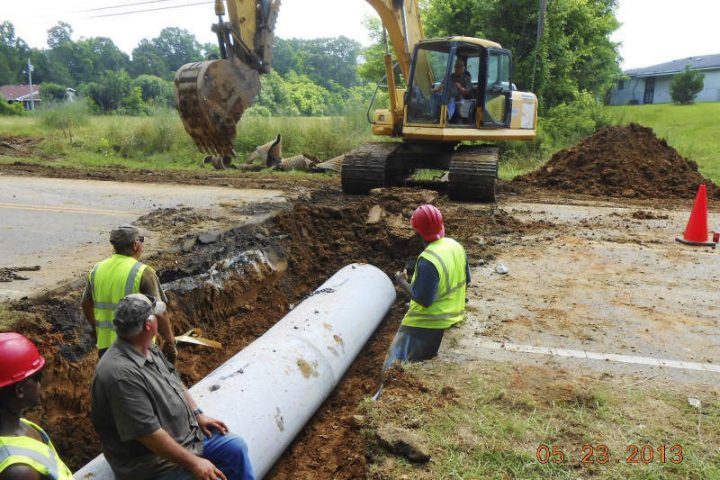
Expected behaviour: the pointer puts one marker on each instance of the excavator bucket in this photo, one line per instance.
(211, 98)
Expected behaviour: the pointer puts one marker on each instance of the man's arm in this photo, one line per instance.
(20, 471)
(88, 307)
(161, 443)
(207, 424)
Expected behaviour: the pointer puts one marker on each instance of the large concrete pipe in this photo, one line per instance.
(268, 391)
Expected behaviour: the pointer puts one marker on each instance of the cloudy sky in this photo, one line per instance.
(653, 31)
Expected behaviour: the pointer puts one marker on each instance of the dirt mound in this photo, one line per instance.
(627, 161)
(17, 146)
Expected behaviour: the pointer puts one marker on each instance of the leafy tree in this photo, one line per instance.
(104, 54)
(164, 54)
(132, 103)
(146, 59)
(14, 53)
(60, 34)
(372, 67)
(109, 92)
(155, 90)
(323, 60)
(686, 85)
(178, 47)
(575, 54)
(53, 92)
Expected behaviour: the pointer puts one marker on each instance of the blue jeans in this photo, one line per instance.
(413, 344)
(229, 453)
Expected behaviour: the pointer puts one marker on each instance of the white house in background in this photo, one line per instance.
(652, 84)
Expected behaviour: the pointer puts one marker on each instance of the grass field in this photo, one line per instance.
(693, 130)
(160, 142)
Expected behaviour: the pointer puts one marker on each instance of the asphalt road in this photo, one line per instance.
(62, 225)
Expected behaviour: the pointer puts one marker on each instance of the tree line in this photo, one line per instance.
(574, 58)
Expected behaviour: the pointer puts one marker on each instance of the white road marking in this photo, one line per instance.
(59, 209)
(609, 357)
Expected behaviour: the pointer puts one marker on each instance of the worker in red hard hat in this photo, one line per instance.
(437, 291)
(26, 452)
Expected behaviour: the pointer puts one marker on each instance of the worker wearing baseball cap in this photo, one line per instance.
(437, 291)
(26, 451)
(116, 277)
(149, 425)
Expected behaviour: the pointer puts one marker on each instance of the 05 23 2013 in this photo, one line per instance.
(600, 454)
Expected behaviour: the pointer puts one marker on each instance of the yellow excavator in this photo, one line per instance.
(457, 89)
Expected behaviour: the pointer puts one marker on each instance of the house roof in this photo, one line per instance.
(701, 62)
(19, 92)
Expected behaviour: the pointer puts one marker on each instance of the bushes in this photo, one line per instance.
(66, 117)
(160, 132)
(567, 123)
(686, 85)
(53, 92)
(7, 108)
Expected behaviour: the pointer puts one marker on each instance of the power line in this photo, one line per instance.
(150, 10)
(147, 2)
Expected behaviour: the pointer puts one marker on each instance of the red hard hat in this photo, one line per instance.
(19, 358)
(428, 222)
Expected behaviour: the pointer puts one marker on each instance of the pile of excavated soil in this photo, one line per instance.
(315, 237)
(17, 146)
(627, 161)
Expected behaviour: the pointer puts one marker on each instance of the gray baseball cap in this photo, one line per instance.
(124, 235)
(133, 310)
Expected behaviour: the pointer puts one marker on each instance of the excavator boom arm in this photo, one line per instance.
(212, 95)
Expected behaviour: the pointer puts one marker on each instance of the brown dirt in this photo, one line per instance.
(314, 237)
(9, 274)
(17, 146)
(626, 162)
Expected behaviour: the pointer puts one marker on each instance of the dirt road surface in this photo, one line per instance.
(605, 279)
(598, 276)
(62, 225)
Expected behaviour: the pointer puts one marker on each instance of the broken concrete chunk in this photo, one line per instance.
(188, 244)
(209, 237)
(404, 442)
(375, 214)
(501, 269)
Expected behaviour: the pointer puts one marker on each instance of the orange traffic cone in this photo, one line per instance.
(696, 232)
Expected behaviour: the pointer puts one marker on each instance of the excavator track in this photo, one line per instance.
(473, 174)
(367, 167)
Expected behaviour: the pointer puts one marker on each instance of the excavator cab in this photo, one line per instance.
(459, 84)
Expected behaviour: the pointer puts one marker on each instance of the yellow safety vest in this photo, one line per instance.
(110, 281)
(448, 308)
(41, 456)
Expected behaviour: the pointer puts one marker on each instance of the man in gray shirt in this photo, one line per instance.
(149, 425)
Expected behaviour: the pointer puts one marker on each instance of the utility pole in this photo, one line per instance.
(30, 86)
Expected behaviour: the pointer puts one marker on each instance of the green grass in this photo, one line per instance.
(693, 130)
(159, 141)
(501, 415)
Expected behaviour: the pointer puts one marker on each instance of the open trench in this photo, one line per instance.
(234, 290)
